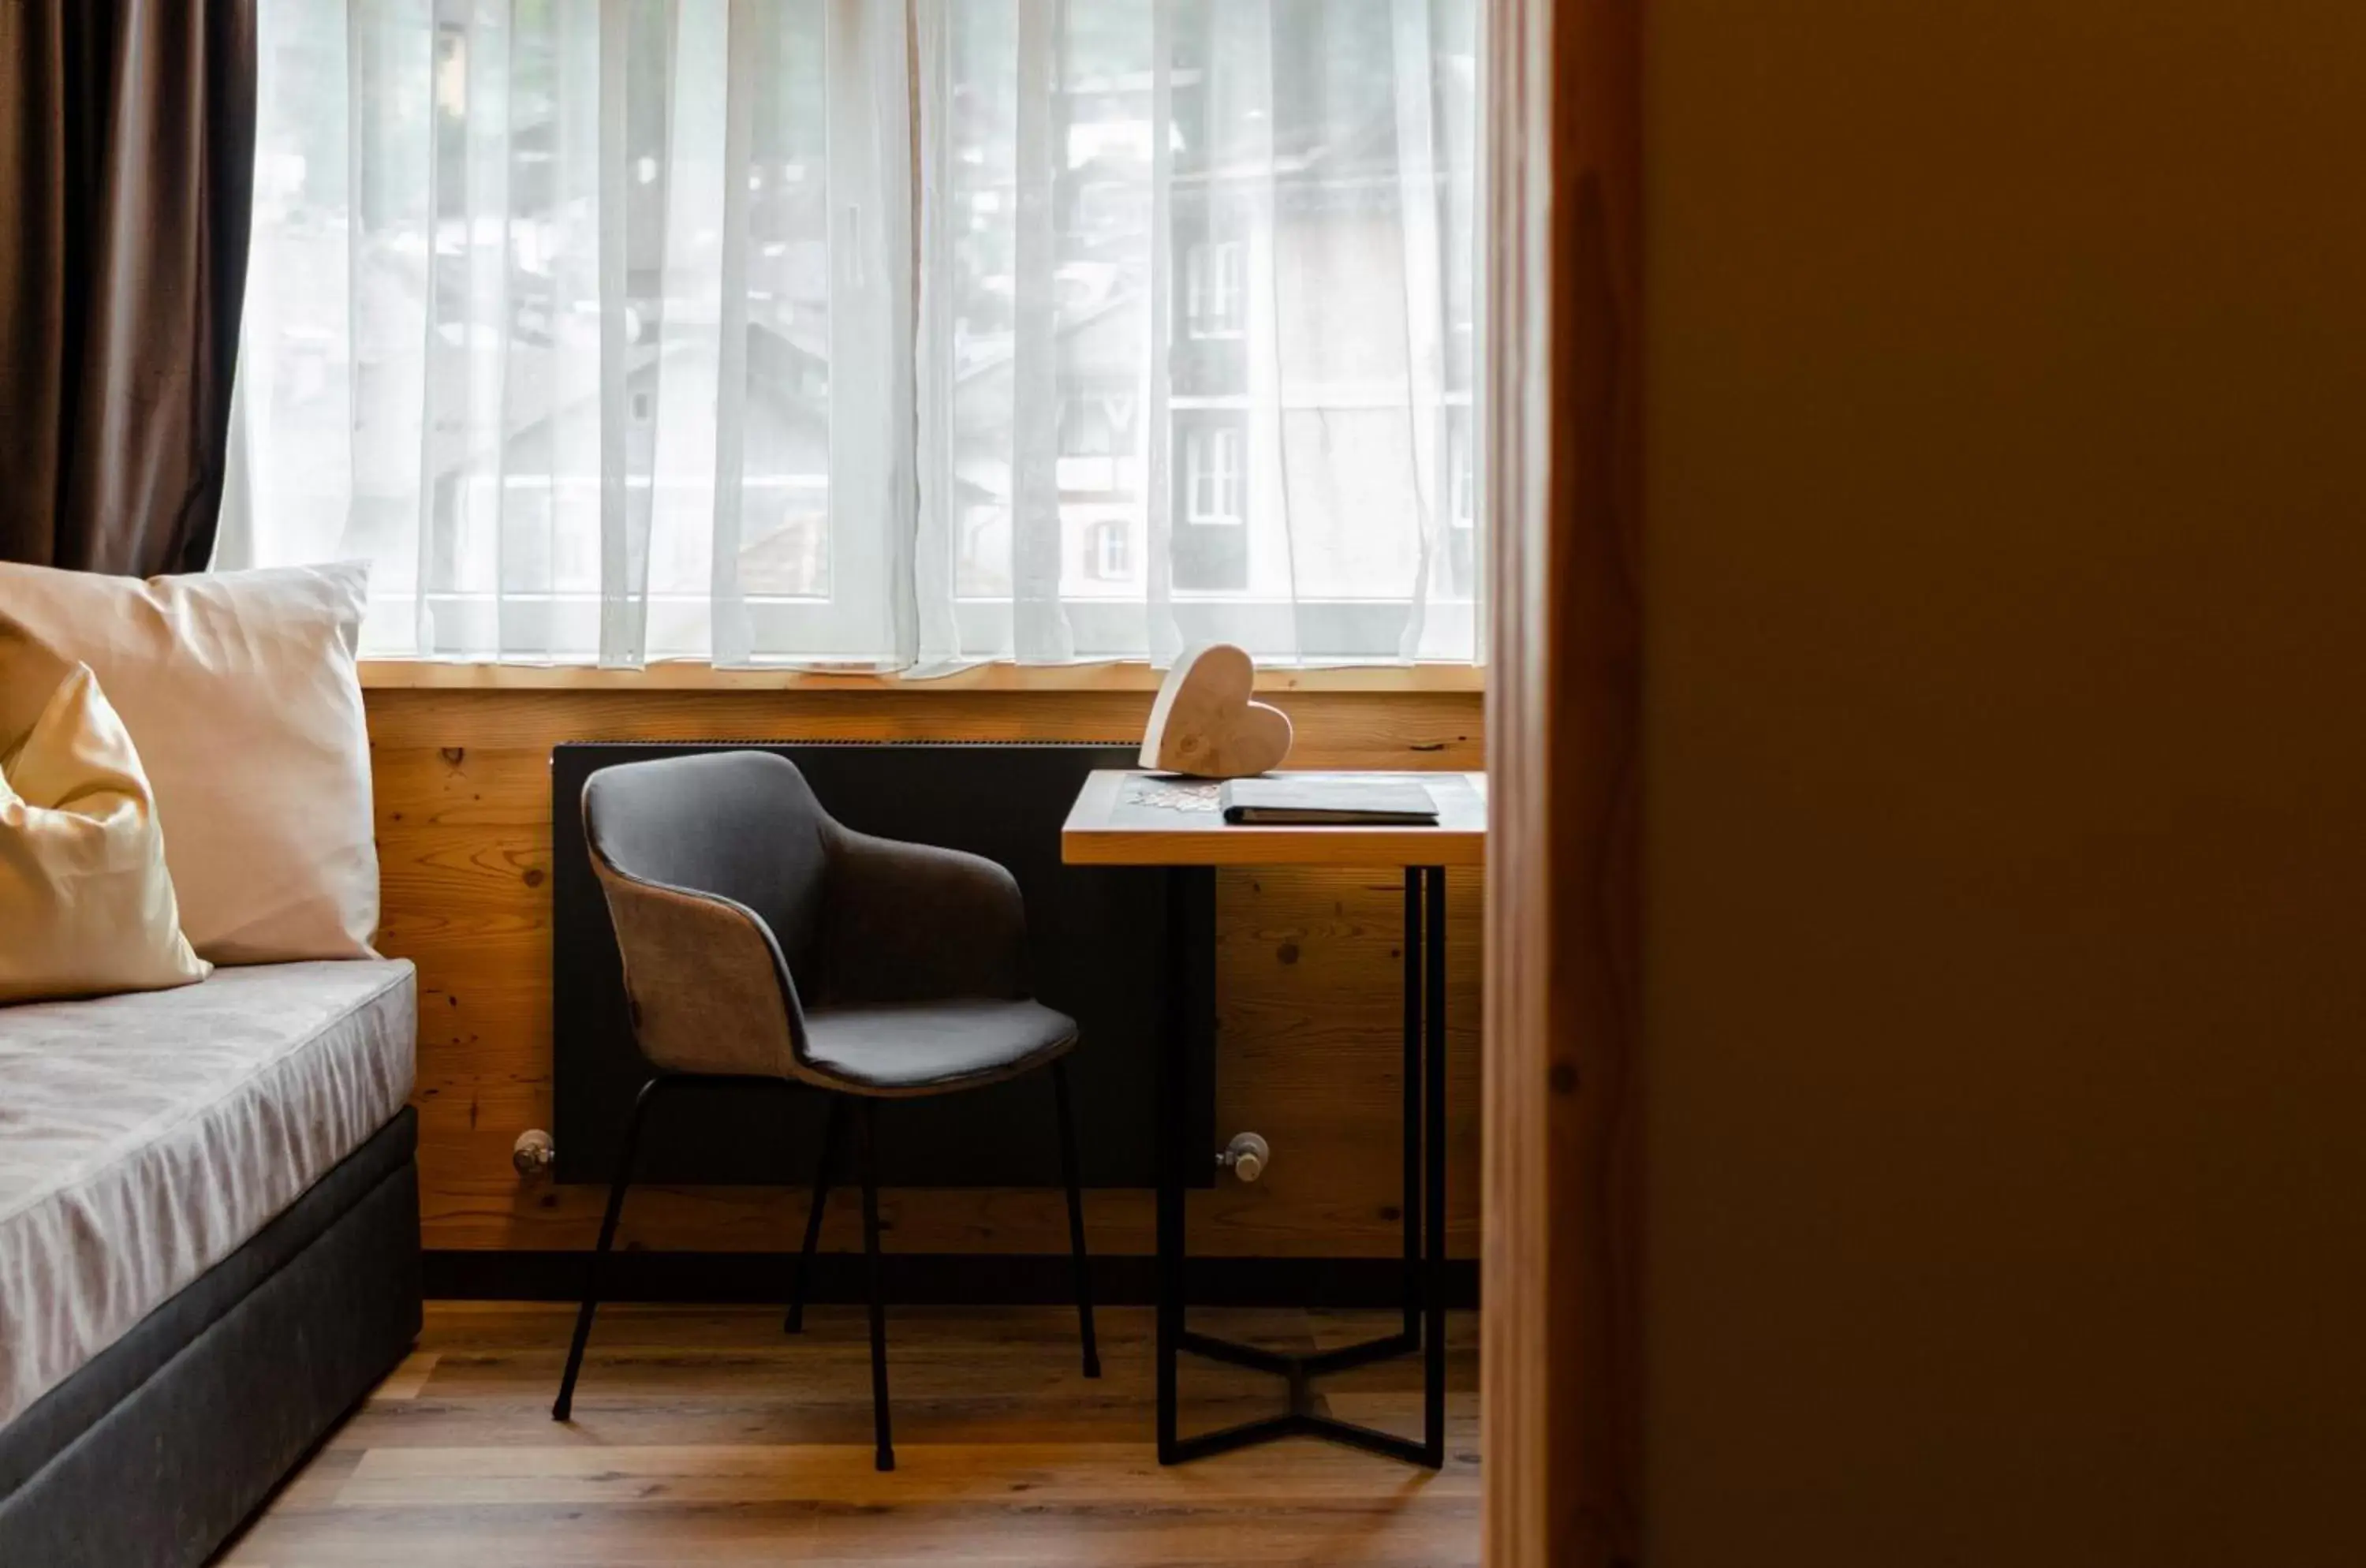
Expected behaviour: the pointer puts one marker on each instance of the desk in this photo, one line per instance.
(1145, 820)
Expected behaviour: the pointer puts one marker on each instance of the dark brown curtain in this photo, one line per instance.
(127, 155)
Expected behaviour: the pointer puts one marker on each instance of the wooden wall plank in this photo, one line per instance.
(1308, 966)
(1341, 729)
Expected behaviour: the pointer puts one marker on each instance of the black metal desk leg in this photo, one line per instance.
(1412, 1017)
(1433, 1292)
(1189, 1009)
(1173, 1027)
(1187, 1026)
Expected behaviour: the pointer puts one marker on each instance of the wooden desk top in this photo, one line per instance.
(1124, 818)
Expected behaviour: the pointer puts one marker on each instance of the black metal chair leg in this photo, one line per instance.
(623, 1179)
(866, 1137)
(831, 1131)
(1076, 1218)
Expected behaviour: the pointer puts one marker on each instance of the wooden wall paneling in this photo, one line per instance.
(1308, 966)
(1560, 1274)
(1335, 730)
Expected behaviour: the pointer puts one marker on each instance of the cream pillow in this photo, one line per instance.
(239, 689)
(85, 903)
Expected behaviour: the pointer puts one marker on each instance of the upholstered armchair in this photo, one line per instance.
(765, 942)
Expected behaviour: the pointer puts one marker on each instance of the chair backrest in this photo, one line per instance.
(687, 849)
(739, 825)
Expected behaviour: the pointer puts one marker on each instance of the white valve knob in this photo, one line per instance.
(1246, 1155)
(533, 1153)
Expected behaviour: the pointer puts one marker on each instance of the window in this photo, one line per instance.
(1213, 289)
(1108, 550)
(1461, 552)
(1085, 428)
(1461, 478)
(1211, 542)
(1096, 445)
(1212, 477)
(618, 332)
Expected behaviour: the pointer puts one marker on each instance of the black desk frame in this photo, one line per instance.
(1190, 1014)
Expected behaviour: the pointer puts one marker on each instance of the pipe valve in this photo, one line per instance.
(1246, 1157)
(533, 1153)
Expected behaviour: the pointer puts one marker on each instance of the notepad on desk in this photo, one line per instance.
(1329, 800)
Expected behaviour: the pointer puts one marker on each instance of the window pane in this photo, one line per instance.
(1293, 179)
(593, 325)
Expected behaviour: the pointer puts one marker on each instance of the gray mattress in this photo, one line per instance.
(145, 1137)
(153, 1453)
(208, 1249)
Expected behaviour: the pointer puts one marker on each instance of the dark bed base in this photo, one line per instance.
(154, 1452)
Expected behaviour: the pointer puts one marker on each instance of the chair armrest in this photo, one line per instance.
(704, 976)
(914, 923)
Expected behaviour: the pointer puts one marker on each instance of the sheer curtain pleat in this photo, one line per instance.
(936, 528)
(872, 334)
(868, 617)
(623, 575)
(1156, 454)
(1419, 227)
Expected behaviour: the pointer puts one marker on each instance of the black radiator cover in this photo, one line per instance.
(1096, 939)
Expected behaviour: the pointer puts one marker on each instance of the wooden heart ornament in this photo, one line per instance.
(1204, 723)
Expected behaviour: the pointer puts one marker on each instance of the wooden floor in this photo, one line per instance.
(705, 1435)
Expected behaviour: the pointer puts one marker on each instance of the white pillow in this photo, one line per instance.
(85, 903)
(240, 691)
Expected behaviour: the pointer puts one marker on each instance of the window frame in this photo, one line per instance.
(1215, 288)
(1099, 537)
(1221, 438)
(1224, 484)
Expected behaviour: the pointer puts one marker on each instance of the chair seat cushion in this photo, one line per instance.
(912, 1047)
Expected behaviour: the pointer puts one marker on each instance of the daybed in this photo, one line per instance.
(209, 1249)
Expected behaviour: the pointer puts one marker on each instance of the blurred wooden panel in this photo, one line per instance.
(1562, 1278)
(1309, 965)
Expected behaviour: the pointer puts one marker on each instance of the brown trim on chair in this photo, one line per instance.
(1562, 1378)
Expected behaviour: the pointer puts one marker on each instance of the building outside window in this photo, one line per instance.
(1108, 552)
(1211, 540)
(1213, 288)
(1461, 506)
(1214, 480)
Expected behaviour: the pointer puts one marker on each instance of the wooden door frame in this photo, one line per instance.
(1561, 1381)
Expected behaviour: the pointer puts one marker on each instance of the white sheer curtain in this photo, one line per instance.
(884, 333)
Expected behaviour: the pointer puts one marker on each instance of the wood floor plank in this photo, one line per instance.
(1443, 1536)
(1078, 1474)
(407, 1380)
(706, 1435)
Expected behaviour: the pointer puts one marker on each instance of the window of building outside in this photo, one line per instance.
(1212, 543)
(1213, 477)
(1461, 504)
(1214, 292)
(1108, 552)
